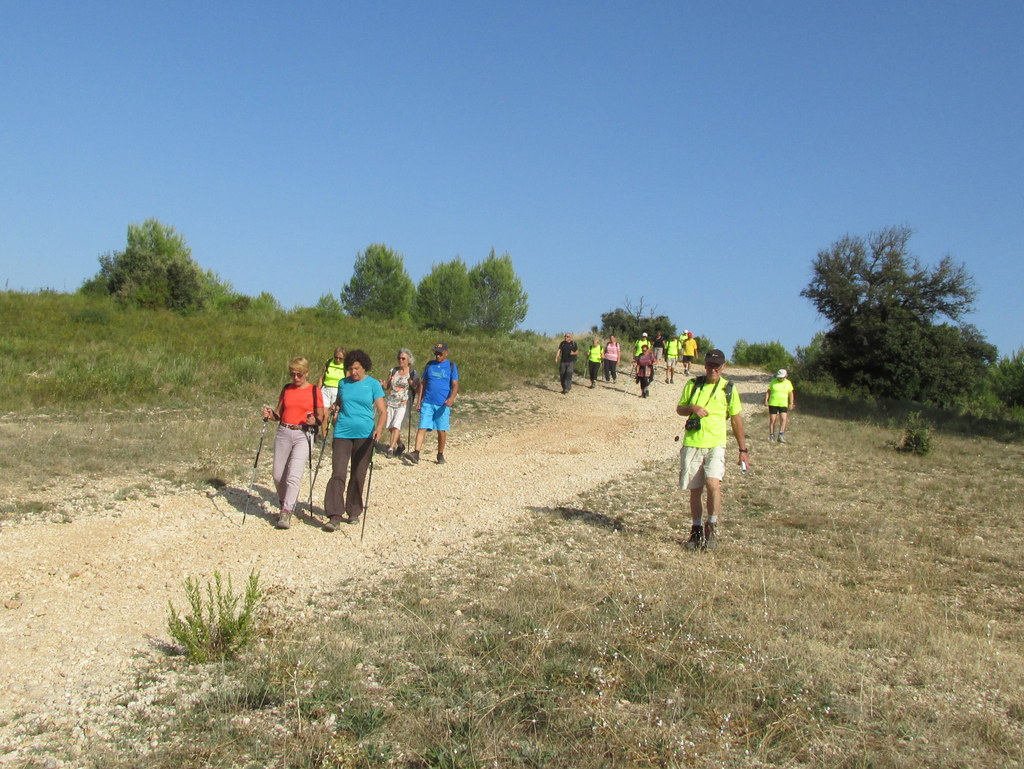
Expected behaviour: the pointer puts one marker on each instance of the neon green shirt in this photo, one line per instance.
(333, 373)
(778, 392)
(714, 427)
(672, 348)
(595, 353)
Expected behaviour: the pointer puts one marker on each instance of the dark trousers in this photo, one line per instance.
(594, 367)
(565, 374)
(344, 452)
(611, 370)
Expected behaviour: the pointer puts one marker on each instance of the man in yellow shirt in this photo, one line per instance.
(689, 352)
(779, 399)
(709, 403)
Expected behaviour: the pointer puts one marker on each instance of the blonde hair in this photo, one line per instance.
(300, 364)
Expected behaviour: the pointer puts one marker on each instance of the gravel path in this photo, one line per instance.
(84, 601)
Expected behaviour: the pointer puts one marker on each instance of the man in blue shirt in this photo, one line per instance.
(440, 386)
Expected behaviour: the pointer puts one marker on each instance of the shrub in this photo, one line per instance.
(769, 356)
(917, 435)
(217, 628)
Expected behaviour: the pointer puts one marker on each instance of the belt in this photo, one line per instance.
(294, 427)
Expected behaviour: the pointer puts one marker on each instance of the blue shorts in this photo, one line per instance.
(434, 417)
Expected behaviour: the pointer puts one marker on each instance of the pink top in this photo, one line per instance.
(611, 351)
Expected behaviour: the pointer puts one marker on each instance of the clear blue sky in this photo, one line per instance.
(697, 155)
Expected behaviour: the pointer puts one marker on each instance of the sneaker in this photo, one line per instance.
(351, 521)
(284, 520)
(771, 437)
(440, 459)
(389, 453)
(414, 457)
(710, 539)
(333, 523)
(399, 449)
(782, 437)
(696, 539)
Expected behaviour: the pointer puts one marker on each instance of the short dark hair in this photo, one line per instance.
(360, 357)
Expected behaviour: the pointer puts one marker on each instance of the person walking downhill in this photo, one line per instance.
(709, 403)
(779, 399)
(672, 347)
(643, 369)
(440, 386)
(401, 388)
(639, 345)
(565, 357)
(333, 372)
(594, 355)
(300, 408)
(690, 352)
(658, 348)
(612, 352)
(360, 423)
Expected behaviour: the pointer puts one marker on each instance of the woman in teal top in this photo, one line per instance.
(359, 425)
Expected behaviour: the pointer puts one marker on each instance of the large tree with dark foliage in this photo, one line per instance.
(897, 327)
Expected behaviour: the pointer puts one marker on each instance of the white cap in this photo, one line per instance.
(781, 373)
(644, 334)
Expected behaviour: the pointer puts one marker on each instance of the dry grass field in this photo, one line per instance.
(863, 609)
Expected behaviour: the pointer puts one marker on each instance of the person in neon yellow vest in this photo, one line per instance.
(594, 354)
(672, 347)
(334, 372)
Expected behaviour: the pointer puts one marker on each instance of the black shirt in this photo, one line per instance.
(568, 350)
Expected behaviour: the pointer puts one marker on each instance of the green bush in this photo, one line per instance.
(769, 356)
(217, 628)
(917, 435)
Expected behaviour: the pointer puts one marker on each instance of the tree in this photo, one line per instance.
(155, 270)
(885, 309)
(380, 286)
(499, 302)
(630, 322)
(444, 298)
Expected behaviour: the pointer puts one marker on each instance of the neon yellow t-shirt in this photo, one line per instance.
(714, 427)
(778, 392)
(690, 347)
(672, 348)
(594, 353)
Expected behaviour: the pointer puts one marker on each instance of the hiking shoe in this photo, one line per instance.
(771, 437)
(782, 437)
(284, 520)
(440, 459)
(350, 521)
(710, 538)
(414, 457)
(696, 539)
(333, 523)
(399, 449)
(389, 453)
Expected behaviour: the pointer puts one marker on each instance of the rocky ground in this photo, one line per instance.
(85, 603)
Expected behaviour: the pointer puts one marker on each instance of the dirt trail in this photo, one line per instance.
(83, 600)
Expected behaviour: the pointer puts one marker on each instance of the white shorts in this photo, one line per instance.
(697, 465)
(330, 396)
(396, 415)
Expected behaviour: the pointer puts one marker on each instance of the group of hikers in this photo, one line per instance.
(710, 404)
(648, 355)
(355, 409)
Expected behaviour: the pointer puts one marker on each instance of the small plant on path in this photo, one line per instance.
(216, 628)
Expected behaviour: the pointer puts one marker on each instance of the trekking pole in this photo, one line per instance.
(320, 459)
(366, 500)
(255, 462)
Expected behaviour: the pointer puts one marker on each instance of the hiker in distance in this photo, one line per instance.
(300, 410)
(360, 423)
(440, 386)
(565, 357)
(612, 353)
(672, 348)
(709, 403)
(779, 399)
(690, 351)
(333, 372)
(594, 354)
(401, 387)
(643, 369)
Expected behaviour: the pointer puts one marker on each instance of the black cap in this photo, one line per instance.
(714, 358)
